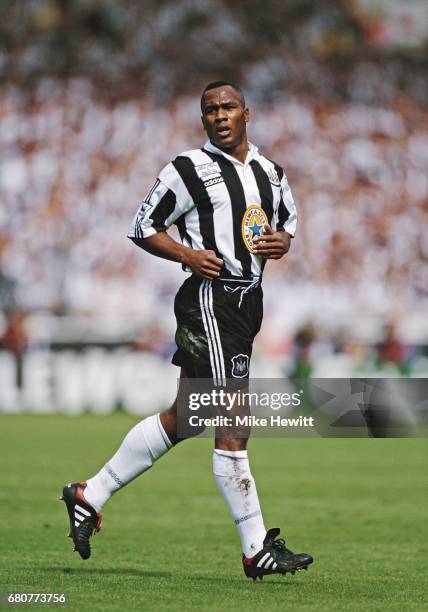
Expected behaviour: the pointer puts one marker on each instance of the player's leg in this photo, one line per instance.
(236, 483)
(263, 554)
(144, 444)
(238, 316)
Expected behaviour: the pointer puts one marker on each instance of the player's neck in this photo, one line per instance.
(239, 152)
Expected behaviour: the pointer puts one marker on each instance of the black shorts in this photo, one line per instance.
(217, 322)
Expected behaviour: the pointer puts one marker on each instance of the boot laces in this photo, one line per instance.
(279, 545)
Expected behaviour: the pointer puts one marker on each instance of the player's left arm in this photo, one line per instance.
(272, 245)
(275, 242)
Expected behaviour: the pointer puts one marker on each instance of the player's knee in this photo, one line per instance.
(230, 443)
(168, 419)
(180, 425)
(233, 432)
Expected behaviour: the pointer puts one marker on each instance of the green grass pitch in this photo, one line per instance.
(167, 542)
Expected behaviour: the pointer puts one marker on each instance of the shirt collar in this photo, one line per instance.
(252, 150)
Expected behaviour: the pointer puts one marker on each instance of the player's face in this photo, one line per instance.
(224, 117)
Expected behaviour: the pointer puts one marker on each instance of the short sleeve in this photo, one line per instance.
(166, 201)
(286, 213)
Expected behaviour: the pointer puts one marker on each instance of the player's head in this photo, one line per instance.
(224, 114)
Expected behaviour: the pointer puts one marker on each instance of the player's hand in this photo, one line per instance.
(270, 244)
(204, 263)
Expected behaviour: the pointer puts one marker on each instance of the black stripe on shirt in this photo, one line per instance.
(181, 226)
(264, 187)
(239, 206)
(199, 195)
(283, 212)
(279, 170)
(162, 211)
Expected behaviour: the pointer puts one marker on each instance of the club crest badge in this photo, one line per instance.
(240, 366)
(252, 225)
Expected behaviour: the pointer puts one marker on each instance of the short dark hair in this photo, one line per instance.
(216, 84)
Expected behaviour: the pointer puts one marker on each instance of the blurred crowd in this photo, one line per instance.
(73, 170)
(321, 49)
(96, 97)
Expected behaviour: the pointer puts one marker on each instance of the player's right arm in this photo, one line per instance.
(203, 263)
(166, 201)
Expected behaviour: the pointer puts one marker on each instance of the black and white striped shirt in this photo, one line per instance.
(206, 192)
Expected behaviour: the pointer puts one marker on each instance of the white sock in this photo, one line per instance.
(236, 483)
(141, 447)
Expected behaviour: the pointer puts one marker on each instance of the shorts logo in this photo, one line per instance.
(240, 366)
(214, 181)
(252, 225)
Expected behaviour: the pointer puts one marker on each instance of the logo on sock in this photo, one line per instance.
(114, 475)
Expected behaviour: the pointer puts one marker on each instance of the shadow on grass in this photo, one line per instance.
(124, 571)
(129, 571)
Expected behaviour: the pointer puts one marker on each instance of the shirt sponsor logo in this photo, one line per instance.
(252, 225)
(207, 171)
(214, 181)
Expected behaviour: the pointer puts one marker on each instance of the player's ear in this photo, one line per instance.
(203, 123)
(246, 114)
